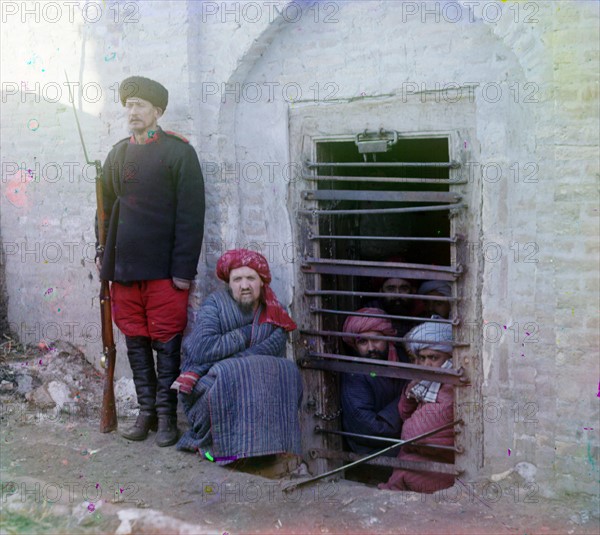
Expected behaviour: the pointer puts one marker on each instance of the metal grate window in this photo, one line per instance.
(358, 208)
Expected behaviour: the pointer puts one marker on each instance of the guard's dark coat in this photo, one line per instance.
(154, 205)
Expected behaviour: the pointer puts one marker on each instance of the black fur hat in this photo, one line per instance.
(140, 87)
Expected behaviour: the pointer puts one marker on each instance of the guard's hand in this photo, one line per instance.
(185, 382)
(181, 284)
(98, 261)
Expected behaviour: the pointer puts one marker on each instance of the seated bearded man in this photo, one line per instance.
(239, 392)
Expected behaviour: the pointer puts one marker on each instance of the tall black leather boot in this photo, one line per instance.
(139, 352)
(168, 358)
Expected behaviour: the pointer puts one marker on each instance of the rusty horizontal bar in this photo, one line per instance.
(318, 293)
(384, 273)
(426, 466)
(379, 272)
(385, 210)
(379, 196)
(382, 238)
(318, 429)
(386, 179)
(315, 310)
(340, 334)
(374, 263)
(383, 368)
(451, 165)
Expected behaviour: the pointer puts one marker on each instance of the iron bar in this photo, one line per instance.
(316, 293)
(379, 196)
(382, 238)
(346, 262)
(380, 272)
(391, 180)
(340, 334)
(384, 368)
(386, 316)
(452, 165)
(385, 210)
(369, 457)
(392, 462)
(319, 429)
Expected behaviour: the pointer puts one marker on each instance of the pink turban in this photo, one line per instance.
(236, 258)
(363, 324)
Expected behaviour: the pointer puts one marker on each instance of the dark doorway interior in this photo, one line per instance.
(434, 224)
(355, 227)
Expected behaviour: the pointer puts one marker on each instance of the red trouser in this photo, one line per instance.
(154, 309)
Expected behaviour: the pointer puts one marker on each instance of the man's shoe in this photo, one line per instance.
(139, 430)
(167, 431)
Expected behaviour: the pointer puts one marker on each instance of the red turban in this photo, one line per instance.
(363, 324)
(237, 258)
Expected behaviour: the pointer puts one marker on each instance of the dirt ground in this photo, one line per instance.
(59, 474)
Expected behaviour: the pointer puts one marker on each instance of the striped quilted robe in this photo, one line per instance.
(247, 399)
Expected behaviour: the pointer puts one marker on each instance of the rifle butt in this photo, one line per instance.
(108, 412)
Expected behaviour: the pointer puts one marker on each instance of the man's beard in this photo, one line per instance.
(245, 306)
(396, 307)
(375, 354)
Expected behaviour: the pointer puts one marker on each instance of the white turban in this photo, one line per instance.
(442, 287)
(437, 336)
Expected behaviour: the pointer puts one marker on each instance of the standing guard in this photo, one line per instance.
(153, 194)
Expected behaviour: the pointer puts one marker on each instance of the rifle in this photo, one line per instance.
(108, 414)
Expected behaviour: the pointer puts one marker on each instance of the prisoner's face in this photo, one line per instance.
(142, 115)
(441, 308)
(432, 358)
(397, 305)
(372, 349)
(245, 286)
